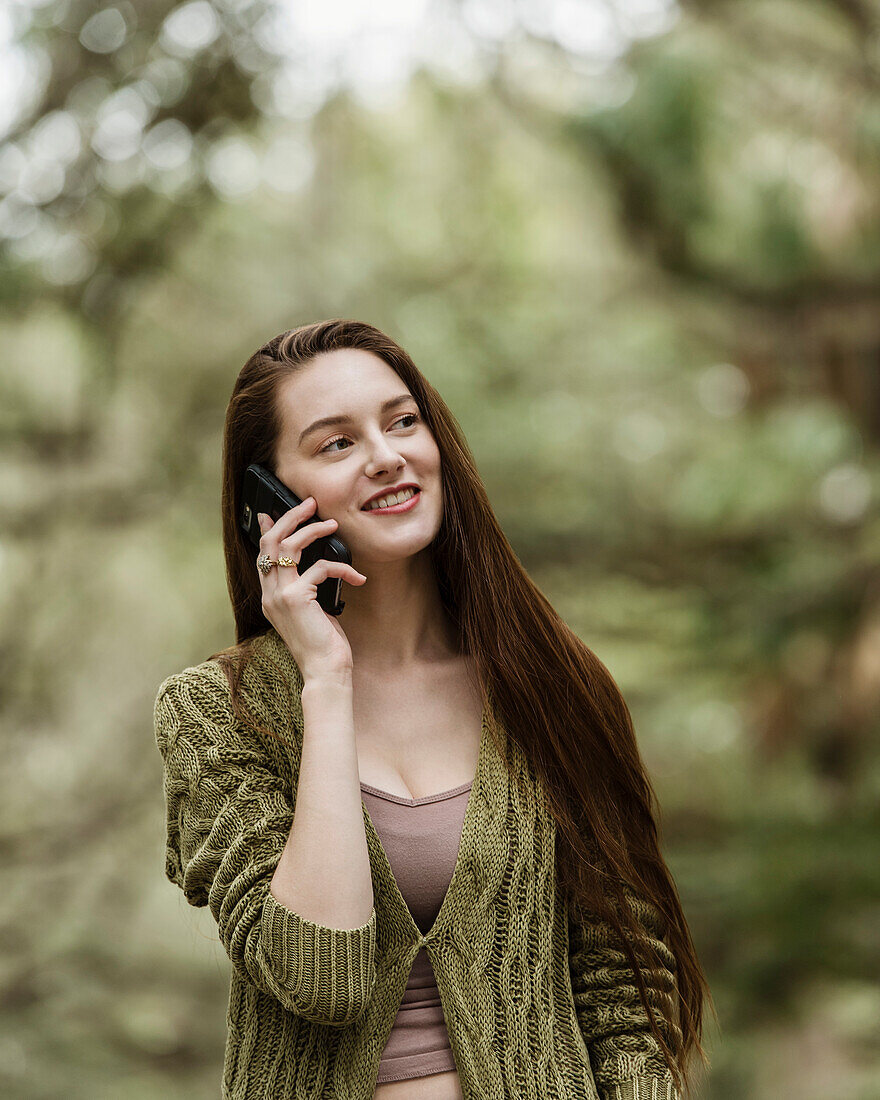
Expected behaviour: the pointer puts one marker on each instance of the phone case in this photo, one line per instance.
(263, 492)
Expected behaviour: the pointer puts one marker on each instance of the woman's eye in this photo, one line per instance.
(327, 446)
(341, 438)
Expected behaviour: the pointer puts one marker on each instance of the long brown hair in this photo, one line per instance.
(553, 695)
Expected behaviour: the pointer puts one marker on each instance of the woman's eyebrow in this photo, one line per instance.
(345, 418)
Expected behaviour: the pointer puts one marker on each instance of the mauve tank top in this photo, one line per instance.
(421, 838)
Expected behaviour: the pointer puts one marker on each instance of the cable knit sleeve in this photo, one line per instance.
(229, 814)
(625, 1056)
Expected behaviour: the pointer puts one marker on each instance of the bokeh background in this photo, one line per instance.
(635, 246)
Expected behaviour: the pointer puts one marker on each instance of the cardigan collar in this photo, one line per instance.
(483, 829)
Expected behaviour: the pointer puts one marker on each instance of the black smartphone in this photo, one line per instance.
(262, 492)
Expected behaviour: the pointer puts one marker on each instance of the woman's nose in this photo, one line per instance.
(383, 452)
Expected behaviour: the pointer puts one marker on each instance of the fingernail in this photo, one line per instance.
(260, 517)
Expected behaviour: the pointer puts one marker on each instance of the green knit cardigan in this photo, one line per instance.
(533, 1008)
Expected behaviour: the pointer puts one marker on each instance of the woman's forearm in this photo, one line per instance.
(324, 870)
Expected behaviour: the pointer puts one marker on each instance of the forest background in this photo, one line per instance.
(635, 247)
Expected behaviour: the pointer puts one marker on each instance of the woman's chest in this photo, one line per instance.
(417, 736)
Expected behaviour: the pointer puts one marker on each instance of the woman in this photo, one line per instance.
(515, 932)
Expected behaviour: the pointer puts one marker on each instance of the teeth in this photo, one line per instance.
(393, 498)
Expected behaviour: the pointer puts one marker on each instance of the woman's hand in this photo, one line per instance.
(290, 598)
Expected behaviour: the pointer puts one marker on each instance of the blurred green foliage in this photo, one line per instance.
(651, 301)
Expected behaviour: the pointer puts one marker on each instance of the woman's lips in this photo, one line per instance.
(393, 509)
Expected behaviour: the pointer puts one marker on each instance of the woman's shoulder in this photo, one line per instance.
(264, 661)
(266, 676)
(206, 678)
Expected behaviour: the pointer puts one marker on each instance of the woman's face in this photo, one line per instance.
(370, 449)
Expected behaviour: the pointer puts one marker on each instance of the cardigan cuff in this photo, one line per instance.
(330, 972)
(643, 1088)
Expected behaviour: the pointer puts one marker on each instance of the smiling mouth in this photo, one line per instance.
(411, 495)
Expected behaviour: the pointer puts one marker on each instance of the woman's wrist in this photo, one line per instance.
(326, 681)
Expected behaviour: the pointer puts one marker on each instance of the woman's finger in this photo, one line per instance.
(309, 532)
(287, 523)
(322, 569)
